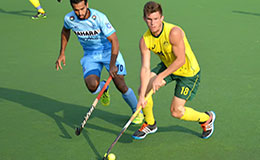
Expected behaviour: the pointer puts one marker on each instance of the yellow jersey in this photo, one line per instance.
(161, 46)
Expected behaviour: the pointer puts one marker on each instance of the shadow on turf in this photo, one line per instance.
(20, 13)
(72, 114)
(177, 128)
(248, 13)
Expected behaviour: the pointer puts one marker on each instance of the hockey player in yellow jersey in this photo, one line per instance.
(40, 11)
(178, 63)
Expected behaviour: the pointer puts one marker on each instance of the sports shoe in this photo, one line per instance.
(39, 16)
(105, 98)
(144, 130)
(138, 119)
(208, 126)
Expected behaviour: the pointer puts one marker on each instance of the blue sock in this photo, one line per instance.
(100, 86)
(130, 99)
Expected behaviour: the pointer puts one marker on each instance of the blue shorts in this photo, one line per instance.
(92, 63)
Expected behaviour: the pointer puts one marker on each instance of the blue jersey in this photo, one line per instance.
(92, 33)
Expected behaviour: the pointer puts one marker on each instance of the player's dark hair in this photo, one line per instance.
(151, 7)
(77, 1)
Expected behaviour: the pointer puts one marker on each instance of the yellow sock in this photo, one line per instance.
(192, 115)
(41, 10)
(148, 112)
(37, 5)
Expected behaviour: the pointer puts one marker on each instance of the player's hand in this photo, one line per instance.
(60, 60)
(158, 83)
(141, 102)
(113, 71)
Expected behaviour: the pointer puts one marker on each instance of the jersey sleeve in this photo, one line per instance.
(67, 24)
(106, 26)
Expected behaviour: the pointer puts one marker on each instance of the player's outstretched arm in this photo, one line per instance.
(65, 35)
(144, 73)
(114, 52)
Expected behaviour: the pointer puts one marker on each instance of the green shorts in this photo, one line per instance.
(186, 87)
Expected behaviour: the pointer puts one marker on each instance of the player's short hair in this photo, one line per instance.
(151, 7)
(77, 1)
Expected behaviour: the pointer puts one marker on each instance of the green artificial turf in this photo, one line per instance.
(40, 107)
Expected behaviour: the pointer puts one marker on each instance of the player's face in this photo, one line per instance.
(81, 9)
(154, 22)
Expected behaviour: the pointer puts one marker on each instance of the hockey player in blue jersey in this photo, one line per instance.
(101, 48)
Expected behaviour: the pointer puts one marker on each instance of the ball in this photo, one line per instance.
(111, 156)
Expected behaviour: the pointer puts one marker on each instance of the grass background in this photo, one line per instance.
(40, 107)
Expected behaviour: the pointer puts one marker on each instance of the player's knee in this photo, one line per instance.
(91, 85)
(92, 82)
(92, 89)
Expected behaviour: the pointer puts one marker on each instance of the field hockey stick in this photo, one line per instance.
(79, 129)
(127, 124)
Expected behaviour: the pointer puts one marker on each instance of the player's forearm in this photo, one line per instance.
(113, 59)
(65, 35)
(114, 53)
(144, 78)
(114, 49)
(173, 67)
